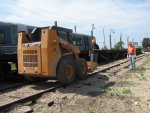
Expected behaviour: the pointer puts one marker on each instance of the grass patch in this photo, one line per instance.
(141, 78)
(125, 78)
(128, 81)
(91, 111)
(126, 91)
(146, 61)
(142, 69)
(138, 74)
(111, 90)
(119, 91)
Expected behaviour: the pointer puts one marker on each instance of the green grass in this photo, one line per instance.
(126, 78)
(138, 74)
(119, 91)
(13, 67)
(142, 69)
(128, 81)
(142, 78)
(126, 91)
(146, 61)
(91, 111)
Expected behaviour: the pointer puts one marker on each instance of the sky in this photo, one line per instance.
(127, 17)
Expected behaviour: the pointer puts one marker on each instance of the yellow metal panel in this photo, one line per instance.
(50, 51)
(21, 39)
(91, 66)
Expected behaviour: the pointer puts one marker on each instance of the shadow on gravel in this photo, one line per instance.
(12, 78)
(92, 86)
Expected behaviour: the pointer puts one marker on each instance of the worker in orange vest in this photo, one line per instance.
(131, 55)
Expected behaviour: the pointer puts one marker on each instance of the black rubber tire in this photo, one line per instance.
(1, 72)
(65, 71)
(81, 68)
(4, 69)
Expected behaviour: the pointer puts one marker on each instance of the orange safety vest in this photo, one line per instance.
(131, 50)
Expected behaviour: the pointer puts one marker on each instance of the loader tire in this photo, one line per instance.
(81, 68)
(5, 68)
(65, 71)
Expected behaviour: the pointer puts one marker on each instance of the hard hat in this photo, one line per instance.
(130, 43)
(94, 41)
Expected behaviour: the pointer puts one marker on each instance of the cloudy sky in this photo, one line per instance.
(127, 17)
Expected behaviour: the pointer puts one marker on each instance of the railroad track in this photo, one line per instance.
(32, 92)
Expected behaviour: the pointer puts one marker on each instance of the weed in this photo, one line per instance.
(126, 77)
(126, 91)
(129, 82)
(146, 61)
(121, 91)
(142, 68)
(142, 73)
(91, 111)
(142, 78)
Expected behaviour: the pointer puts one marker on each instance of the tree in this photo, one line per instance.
(119, 45)
(146, 43)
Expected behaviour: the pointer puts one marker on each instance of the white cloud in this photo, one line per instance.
(129, 18)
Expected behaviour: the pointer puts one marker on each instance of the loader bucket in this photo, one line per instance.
(91, 66)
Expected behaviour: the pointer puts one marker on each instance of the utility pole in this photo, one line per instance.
(55, 23)
(128, 41)
(121, 41)
(104, 37)
(133, 41)
(93, 27)
(110, 37)
(75, 28)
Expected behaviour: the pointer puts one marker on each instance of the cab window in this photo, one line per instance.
(14, 34)
(2, 39)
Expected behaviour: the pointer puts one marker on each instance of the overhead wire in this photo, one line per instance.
(125, 11)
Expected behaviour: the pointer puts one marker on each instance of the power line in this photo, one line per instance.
(137, 20)
(124, 10)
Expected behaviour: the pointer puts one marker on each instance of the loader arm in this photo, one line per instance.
(65, 44)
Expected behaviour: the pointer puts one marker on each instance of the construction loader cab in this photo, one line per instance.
(48, 53)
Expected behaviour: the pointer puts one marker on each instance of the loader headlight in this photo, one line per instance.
(24, 68)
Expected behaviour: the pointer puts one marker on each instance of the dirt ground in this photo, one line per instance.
(125, 92)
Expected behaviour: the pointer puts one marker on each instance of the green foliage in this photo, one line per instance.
(91, 111)
(142, 78)
(112, 91)
(119, 45)
(126, 91)
(146, 43)
(118, 91)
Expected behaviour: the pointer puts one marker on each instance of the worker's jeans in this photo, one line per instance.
(132, 61)
(94, 57)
